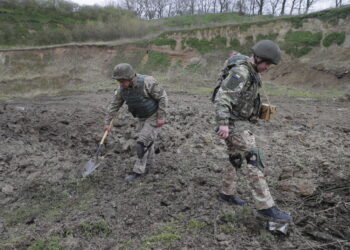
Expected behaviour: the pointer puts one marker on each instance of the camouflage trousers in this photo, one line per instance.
(147, 134)
(239, 142)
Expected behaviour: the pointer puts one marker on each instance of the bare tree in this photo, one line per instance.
(204, 6)
(224, 5)
(274, 4)
(309, 3)
(241, 7)
(292, 7)
(338, 3)
(283, 7)
(260, 4)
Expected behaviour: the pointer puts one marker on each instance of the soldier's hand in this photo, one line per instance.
(160, 122)
(107, 127)
(223, 131)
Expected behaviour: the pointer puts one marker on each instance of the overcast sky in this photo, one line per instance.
(321, 4)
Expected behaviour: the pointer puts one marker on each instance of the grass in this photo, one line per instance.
(94, 228)
(51, 243)
(335, 37)
(205, 46)
(282, 90)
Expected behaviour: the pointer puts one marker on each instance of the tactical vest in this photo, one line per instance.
(139, 105)
(248, 103)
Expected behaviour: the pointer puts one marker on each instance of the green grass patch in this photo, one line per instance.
(210, 18)
(195, 224)
(335, 37)
(160, 41)
(157, 61)
(160, 239)
(282, 90)
(205, 46)
(271, 36)
(94, 228)
(51, 243)
(299, 43)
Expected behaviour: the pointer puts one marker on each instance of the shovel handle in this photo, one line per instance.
(106, 132)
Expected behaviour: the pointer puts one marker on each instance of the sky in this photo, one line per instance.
(321, 4)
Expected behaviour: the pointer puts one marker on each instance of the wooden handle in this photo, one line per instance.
(106, 132)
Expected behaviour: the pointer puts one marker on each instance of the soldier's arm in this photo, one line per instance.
(157, 92)
(114, 106)
(229, 94)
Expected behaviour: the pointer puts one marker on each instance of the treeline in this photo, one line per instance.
(151, 9)
(44, 22)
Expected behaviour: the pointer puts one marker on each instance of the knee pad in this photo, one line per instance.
(236, 160)
(140, 149)
(255, 158)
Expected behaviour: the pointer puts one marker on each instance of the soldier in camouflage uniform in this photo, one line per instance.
(147, 101)
(237, 99)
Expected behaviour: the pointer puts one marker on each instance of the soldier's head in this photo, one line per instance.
(124, 74)
(265, 53)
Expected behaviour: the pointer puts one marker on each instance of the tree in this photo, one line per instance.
(283, 7)
(338, 3)
(260, 4)
(274, 4)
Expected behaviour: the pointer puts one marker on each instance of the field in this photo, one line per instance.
(46, 204)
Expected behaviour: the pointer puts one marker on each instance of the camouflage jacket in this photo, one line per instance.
(151, 89)
(238, 97)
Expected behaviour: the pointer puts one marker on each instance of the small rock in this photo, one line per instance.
(297, 185)
(129, 221)
(7, 189)
(221, 237)
(216, 168)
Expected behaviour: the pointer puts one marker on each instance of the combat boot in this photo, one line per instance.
(132, 176)
(231, 199)
(274, 214)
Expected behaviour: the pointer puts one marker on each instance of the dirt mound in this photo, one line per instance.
(47, 140)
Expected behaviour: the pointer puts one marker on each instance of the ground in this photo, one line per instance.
(46, 204)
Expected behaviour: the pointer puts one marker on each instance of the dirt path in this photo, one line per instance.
(47, 140)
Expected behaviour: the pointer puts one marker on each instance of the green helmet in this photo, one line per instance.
(123, 71)
(267, 50)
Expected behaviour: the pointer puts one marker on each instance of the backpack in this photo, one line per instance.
(229, 63)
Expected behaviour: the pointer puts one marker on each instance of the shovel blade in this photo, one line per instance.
(90, 166)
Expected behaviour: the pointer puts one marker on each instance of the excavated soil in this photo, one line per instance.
(47, 140)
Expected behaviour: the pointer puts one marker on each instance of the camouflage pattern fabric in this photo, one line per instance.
(235, 101)
(240, 143)
(237, 96)
(151, 89)
(147, 134)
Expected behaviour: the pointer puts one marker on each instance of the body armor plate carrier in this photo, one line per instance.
(139, 105)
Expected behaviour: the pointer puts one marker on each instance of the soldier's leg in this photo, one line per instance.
(260, 190)
(145, 146)
(228, 190)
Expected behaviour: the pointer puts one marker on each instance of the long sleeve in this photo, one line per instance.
(228, 95)
(157, 92)
(114, 106)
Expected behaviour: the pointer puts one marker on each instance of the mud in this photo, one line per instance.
(47, 140)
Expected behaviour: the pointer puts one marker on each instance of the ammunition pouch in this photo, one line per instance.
(236, 160)
(255, 158)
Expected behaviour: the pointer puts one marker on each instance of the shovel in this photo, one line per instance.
(93, 163)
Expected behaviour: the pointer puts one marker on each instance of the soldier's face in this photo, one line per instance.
(263, 66)
(124, 83)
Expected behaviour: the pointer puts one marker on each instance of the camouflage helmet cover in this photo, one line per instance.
(123, 71)
(267, 50)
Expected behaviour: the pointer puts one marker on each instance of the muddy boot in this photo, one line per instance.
(132, 176)
(230, 199)
(274, 214)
